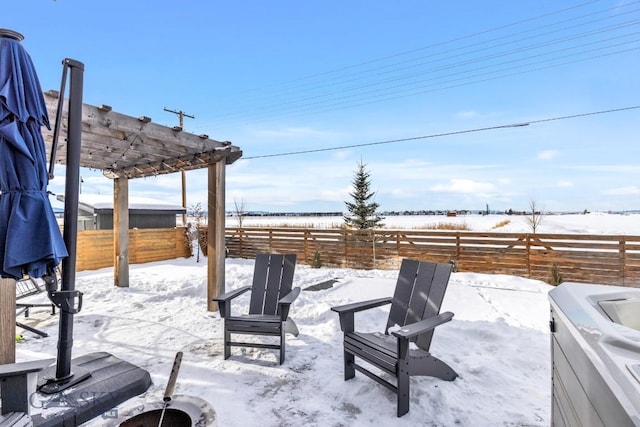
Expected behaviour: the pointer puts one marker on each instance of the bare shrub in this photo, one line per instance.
(444, 226)
(534, 218)
(240, 211)
(317, 261)
(555, 277)
(501, 224)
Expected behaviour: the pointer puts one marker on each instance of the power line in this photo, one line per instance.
(388, 95)
(338, 96)
(351, 97)
(411, 51)
(479, 47)
(438, 135)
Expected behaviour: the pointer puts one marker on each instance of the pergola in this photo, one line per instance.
(125, 147)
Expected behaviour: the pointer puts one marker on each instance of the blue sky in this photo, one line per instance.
(286, 76)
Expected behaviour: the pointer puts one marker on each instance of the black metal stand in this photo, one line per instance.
(66, 298)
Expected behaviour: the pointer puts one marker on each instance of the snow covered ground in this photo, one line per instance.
(498, 342)
(592, 223)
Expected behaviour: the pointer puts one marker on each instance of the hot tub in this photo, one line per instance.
(595, 352)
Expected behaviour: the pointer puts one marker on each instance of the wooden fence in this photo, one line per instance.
(607, 259)
(95, 247)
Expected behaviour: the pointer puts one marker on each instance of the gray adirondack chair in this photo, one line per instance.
(415, 308)
(26, 288)
(271, 298)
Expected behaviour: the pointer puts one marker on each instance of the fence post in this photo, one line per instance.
(373, 240)
(270, 240)
(528, 238)
(346, 244)
(623, 259)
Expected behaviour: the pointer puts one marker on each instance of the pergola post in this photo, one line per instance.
(121, 232)
(215, 232)
(7, 321)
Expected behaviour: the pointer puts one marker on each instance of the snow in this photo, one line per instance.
(591, 223)
(498, 342)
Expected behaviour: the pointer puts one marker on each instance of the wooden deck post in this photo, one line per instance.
(215, 233)
(7, 321)
(121, 232)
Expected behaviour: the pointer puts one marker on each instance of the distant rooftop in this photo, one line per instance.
(100, 202)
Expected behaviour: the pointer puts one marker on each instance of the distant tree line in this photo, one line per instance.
(428, 212)
(249, 213)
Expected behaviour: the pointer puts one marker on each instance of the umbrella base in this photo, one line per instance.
(110, 382)
(56, 385)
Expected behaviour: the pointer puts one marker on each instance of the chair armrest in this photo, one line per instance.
(285, 302)
(415, 329)
(231, 294)
(290, 297)
(222, 300)
(347, 311)
(24, 368)
(362, 305)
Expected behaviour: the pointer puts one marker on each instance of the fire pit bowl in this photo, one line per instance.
(181, 411)
(172, 417)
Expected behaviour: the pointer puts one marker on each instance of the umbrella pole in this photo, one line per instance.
(70, 235)
(66, 297)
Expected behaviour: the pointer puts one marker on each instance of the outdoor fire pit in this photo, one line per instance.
(181, 411)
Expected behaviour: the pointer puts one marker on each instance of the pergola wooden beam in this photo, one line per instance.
(125, 147)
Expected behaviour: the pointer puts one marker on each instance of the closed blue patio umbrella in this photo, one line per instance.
(30, 239)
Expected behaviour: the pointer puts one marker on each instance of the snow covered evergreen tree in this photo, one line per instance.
(363, 211)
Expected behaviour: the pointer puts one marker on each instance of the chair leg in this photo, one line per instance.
(290, 327)
(349, 370)
(403, 390)
(282, 347)
(227, 340)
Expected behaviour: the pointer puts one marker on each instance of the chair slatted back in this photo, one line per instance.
(27, 287)
(272, 279)
(418, 295)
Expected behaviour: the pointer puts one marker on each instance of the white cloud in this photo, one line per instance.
(630, 190)
(464, 186)
(338, 195)
(467, 114)
(548, 154)
(341, 154)
(611, 168)
(565, 184)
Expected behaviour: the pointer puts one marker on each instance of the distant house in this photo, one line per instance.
(95, 212)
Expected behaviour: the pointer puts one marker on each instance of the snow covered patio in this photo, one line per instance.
(498, 342)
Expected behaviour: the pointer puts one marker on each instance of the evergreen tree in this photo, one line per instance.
(362, 211)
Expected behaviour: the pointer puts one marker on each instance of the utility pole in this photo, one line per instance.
(181, 115)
